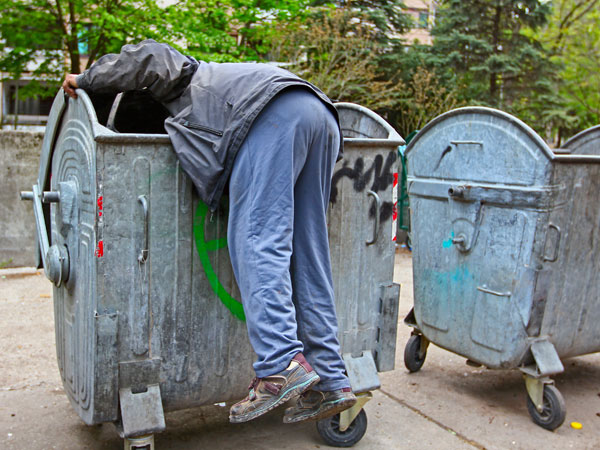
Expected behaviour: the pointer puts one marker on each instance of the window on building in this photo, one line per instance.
(23, 109)
(83, 35)
(423, 20)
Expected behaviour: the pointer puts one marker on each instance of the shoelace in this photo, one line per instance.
(251, 392)
(254, 383)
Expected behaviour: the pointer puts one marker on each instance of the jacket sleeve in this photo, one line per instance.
(148, 65)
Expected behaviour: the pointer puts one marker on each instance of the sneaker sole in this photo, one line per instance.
(326, 410)
(291, 392)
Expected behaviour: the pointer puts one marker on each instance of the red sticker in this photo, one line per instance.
(100, 203)
(100, 249)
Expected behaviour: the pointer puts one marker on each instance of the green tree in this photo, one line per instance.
(482, 45)
(385, 17)
(336, 50)
(228, 30)
(50, 37)
(572, 37)
(47, 38)
(33, 30)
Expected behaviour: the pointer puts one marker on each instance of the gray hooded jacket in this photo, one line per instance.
(212, 105)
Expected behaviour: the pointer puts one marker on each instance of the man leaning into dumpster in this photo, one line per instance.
(274, 138)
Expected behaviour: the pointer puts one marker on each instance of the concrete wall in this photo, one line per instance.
(19, 162)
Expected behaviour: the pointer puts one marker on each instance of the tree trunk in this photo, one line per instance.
(74, 44)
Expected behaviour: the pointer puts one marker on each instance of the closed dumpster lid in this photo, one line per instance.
(478, 144)
(586, 142)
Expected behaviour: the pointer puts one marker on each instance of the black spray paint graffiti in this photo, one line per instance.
(381, 173)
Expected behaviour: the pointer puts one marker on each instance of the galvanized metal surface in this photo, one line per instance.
(505, 241)
(586, 142)
(151, 305)
(363, 270)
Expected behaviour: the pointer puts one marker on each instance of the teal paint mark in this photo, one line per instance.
(203, 248)
(460, 275)
(445, 280)
(448, 243)
(443, 294)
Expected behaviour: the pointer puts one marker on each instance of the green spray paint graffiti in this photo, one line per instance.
(204, 248)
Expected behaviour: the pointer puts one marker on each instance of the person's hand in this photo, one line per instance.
(70, 84)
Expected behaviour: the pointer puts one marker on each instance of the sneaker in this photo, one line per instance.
(270, 392)
(316, 405)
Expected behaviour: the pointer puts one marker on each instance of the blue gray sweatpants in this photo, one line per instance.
(277, 235)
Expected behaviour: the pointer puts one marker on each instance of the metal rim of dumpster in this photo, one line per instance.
(582, 137)
(484, 111)
(568, 158)
(393, 139)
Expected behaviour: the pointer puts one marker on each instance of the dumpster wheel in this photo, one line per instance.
(553, 411)
(329, 429)
(415, 352)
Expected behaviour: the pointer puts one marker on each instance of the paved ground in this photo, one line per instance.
(447, 405)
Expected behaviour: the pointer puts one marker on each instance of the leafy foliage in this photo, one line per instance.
(423, 98)
(385, 17)
(572, 39)
(47, 38)
(229, 30)
(37, 34)
(483, 44)
(336, 50)
(537, 59)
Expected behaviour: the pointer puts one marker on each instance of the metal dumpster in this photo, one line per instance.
(505, 239)
(147, 312)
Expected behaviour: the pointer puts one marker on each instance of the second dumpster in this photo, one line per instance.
(505, 239)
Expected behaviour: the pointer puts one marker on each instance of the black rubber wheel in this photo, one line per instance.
(329, 429)
(554, 409)
(413, 358)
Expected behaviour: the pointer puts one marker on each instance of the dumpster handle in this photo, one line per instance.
(55, 258)
(377, 212)
(486, 290)
(557, 246)
(143, 256)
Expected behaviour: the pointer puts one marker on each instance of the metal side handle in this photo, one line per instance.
(143, 256)
(55, 258)
(377, 213)
(554, 257)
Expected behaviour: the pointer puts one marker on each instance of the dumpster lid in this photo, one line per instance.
(483, 112)
(363, 127)
(583, 142)
(479, 145)
(489, 116)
